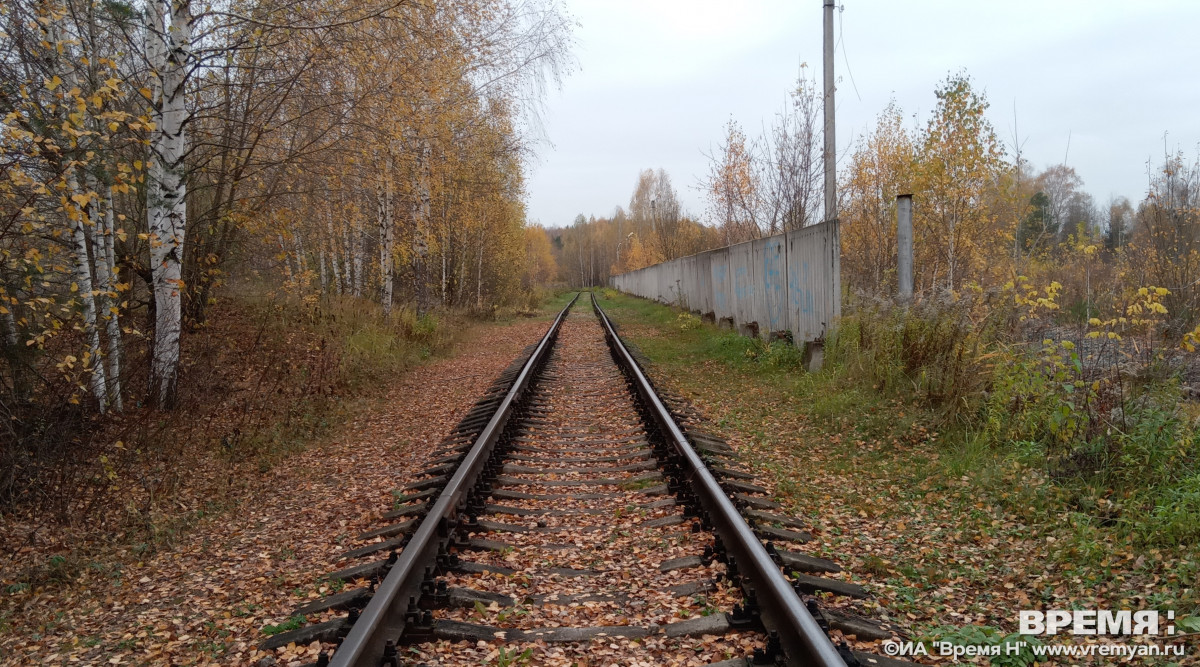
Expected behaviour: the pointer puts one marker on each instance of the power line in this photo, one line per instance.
(845, 57)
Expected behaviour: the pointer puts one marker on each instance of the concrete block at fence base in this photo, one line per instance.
(749, 329)
(726, 323)
(814, 355)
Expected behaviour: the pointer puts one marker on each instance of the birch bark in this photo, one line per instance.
(387, 239)
(116, 343)
(324, 275)
(479, 268)
(357, 233)
(421, 221)
(82, 218)
(335, 255)
(107, 301)
(169, 33)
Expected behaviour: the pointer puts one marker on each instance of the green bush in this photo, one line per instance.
(1116, 447)
(688, 321)
(1041, 398)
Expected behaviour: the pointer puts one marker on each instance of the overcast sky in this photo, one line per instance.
(1095, 83)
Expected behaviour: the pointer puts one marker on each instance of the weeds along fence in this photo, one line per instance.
(784, 283)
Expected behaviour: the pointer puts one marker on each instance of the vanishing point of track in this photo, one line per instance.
(570, 519)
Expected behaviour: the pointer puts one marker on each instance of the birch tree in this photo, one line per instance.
(168, 34)
(787, 162)
(142, 146)
(960, 160)
(80, 217)
(732, 188)
(108, 297)
(879, 169)
(387, 235)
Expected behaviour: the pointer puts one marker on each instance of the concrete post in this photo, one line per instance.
(830, 153)
(904, 246)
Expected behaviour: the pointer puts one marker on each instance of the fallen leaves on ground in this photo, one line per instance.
(204, 598)
(932, 548)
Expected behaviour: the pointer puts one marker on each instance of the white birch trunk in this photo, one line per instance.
(347, 285)
(170, 36)
(479, 267)
(358, 256)
(107, 299)
(301, 256)
(387, 240)
(347, 252)
(287, 257)
(87, 297)
(423, 187)
(348, 265)
(116, 343)
(334, 257)
(324, 275)
(84, 220)
(421, 215)
(463, 271)
(479, 278)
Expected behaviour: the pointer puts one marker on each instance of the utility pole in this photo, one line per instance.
(830, 143)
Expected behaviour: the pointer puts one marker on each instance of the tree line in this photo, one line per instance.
(755, 187)
(984, 217)
(153, 149)
(654, 228)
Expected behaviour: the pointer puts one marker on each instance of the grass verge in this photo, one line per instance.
(944, 526)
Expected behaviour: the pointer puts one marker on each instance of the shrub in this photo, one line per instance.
(688, 321)
(1099, 417)
(934, 351)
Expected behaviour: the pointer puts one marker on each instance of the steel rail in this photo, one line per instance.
(383, 619)
(802, 640)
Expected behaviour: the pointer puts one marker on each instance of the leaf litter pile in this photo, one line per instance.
(206, 598)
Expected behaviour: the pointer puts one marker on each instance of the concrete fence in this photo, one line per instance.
(788, 282)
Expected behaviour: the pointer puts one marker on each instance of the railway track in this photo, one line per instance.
(575, 516)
